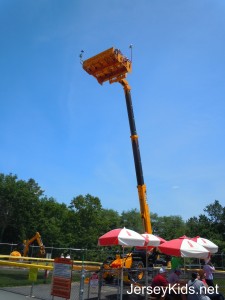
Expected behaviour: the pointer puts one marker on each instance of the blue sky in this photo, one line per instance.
(70, 134)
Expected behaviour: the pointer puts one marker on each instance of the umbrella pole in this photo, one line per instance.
(121, 279)
(184, 268)
(146, 274)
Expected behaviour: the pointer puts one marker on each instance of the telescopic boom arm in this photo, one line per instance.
(111, 65)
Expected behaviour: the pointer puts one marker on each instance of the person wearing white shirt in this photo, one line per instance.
(209, 269)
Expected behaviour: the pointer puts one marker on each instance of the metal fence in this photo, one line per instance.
(84, 285)
(15, 275)
(98, 254)
(41, 289)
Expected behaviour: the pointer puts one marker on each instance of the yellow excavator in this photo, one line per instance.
(111, 65)
(23, 248)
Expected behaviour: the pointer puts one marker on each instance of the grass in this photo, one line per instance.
(221, 283)
(20, 277)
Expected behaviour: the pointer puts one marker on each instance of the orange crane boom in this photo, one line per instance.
(111, 65)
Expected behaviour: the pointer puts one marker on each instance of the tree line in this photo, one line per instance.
(24, 210)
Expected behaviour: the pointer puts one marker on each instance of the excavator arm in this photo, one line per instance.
(111, 65)
(36, 237)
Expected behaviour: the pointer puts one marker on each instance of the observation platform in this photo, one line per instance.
(110, 65)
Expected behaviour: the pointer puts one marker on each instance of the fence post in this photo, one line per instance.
(100, 282)
(81, 292)
(118, 285)
(31, 290)
(88, 288)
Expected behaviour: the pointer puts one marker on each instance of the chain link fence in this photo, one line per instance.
(41, 289)
(89, 279)
(83, 286)
(98, 254)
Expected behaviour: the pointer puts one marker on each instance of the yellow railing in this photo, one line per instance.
(44, 263)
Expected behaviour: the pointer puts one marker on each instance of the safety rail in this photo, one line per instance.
(86, 284)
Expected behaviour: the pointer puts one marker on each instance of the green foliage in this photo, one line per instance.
(168, 227)
(24, 210)
(19, 201)
(87, 213)
(210, 226)
(132, 219)
(109, 219)
(51, 217)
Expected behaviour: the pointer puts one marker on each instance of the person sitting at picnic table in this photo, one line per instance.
(160, 278)
(195, 288)
(160, 281)
(176, 282)
(212, 294)
(174, 276)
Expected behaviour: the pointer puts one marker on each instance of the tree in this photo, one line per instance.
(215, 212)
(200, 226)
(131, 219)
(18, 204)
(24, 210)
(7, 198)
(210, 225)
(88, 220)
(168, 227)
(109, 219)
(216, 217)
(53, 218)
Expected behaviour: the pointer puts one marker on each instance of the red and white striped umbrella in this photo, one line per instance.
(124, 237)
(210, 246)
(121, 236)
(151, 241)
(184, 247)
